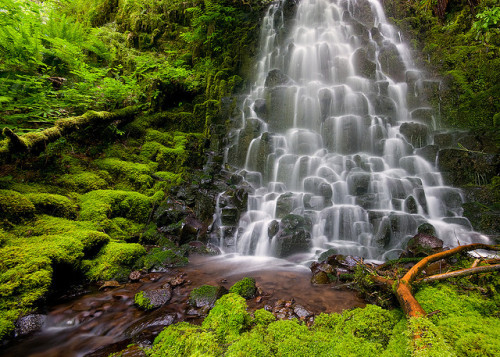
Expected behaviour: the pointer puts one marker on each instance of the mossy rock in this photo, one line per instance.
(245, 288)
(100, 205)
(83, 182)
(114, 261)
(15, 207)
(183, 339)
(54, 205)
(136, 173)
(206, 295)
(228, 318)
(159, 259)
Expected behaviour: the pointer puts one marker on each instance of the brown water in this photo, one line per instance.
(102, 322)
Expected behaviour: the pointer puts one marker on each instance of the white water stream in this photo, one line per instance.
(321, 138)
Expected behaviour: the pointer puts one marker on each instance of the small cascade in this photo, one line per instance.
(329, 138)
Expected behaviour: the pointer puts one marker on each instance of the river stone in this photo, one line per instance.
(301, 312)
(29, 324)
(158, 297)
(415, 133)
(362, 65)
(391, 62)
(424, 245)
(320, 278)
(276, 78)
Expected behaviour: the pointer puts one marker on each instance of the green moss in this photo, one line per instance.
(245, 288)
(102, 205)
(228, 318)
(263, 317)
(183, 339)
(82, 182)
(136, 173)
(430, 342)
(114, 261)
(142, 301)
(163, 258)
(205, 295)
(54, 205)
(14, 207)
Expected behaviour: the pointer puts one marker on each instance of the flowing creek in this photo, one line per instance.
(101, 322)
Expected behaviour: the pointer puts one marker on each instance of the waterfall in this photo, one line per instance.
(329, 140)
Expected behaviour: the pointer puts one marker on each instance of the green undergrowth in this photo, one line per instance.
(464, 323)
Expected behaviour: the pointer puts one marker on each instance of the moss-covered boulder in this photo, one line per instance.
(54, 205)
(82, 182)
(245, 288)
(114, 261)
(14, 207)
(206, 295)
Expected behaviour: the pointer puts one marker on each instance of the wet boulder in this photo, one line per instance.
(152, 299)
(423, 115)
(363, 13)
(422, 245)
(151, 324)
(427, 229)
(28, 324)
(285, 204)
(206, 295)
(415, 133)
(293, 235)
(245, 288)
(362, 65)
(276, 78)
(391, 62)
(260, 107)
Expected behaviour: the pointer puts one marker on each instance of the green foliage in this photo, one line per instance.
(245, 288)
(114, 261)
(487, 24)
(143, 301)
(430, 342)
(136, 173)
(183, 339)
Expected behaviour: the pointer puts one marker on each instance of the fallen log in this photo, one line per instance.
(461, 273)
(35, 143)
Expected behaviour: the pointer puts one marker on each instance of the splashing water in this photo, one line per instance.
(328, 139)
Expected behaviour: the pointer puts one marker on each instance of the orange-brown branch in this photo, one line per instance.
(461, 272)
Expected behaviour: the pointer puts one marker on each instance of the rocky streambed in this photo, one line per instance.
(104, 319)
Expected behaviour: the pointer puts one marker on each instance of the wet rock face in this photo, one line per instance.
(415, 133)
(461, 167)
(293, 235)
(363, 65)
(422, 245)
(276, 78)
(391, 62)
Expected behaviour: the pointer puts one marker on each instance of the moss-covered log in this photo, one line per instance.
(35, 143)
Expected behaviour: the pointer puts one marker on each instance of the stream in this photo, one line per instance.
(101, 322)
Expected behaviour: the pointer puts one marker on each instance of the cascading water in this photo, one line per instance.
(329, 140)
